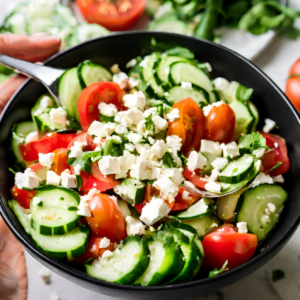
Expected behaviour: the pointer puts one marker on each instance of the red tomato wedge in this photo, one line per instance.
(190, 126)
(89, 182)
(93, 250)
(281, 153)
(60, 161)
(227, 244)
(83, 138)
(195, 179)
(292, 87)
(110, 179)
(90, 98)
(114, 15)
(107, 220)
(45, 145)
(219, 124)
(182, 202)
(22, 196)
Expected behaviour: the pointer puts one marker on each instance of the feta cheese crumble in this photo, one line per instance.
(211, 147)
(32, 137)
(104, 243)
(131, 63)
(121, 79)
(261, 178)
(137, 99)
(45, 274)
(52, 178)
(269, 125)
(101, 130)
(129, 117)
(186, 85)
(68, 181)
(174, 142)
(173, 115)
(153, 211)
(77, 169)
(36, 200)
(231, 150)
(167, 187)
(270, 209)
(219, 163)
(109, 110)
(109, 165)
(46, 160)
(134, 226)
(213, 187)
(159, 123)
(242, 227)
(58, 116)
(196, 161)
(107, 254)
(28, 180)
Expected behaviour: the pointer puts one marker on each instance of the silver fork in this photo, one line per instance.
(46, 75)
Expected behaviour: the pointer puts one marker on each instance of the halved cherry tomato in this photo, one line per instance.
(114, 15)
(83, 138)
(45, 144)
(181, 202)
(89, 182)
(35, 167)
(226, 243)
(281, 153)
(292, 87)
(190, 126)
(60, 161)
(91, 96)
(110, 179)
(107, 220)
(22, 196)
(195, 179)
(219, 124)
(93, 250)
(269, 159)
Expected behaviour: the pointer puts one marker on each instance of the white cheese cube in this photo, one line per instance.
(151, 140)
(46, 160)
(270, 209)
(109, 110)
(174, 174)
(120, 129)
(58, 116)
(173, 115)
(75, 152)
(265, 219)
(242, 227)
(45, 274)
(137, 99)
(46, 101)
(159, 123)
(144, 170)
(84, 210)
(259, 153)
(231, 150)
(158, 149)
(214, 175)
(185, 195)
(221, 83)
(28, 180)
(174, 142)
(151, 111)
(109, 165)
(211, 147)
(155, 210)
(101, 130)
(129, 117)
(129, 147)
(206, 110)
(167, 187)
(278, 178)
(261, 178)
(213, 187)
(186, 85)
(68, 181)
(107, 254)
(36, 200)
(32, 137)
(196, 161)
(53, 178)
(135, 138)
(131, 63)
(121, 79)
(133, 82)
(219, 163)
(104, 243)
(126, 162)
(269, 125)
(276, 145)
(77, 169)
(134, 226)
(115, 138)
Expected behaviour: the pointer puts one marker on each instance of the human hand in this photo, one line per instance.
(34, 48)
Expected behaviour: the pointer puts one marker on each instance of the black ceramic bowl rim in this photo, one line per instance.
(264, 255)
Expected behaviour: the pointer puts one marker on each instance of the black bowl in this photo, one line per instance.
(120, 48)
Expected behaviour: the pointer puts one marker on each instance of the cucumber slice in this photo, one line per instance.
(177, 94)
(124, 267)
(131, 190)
(244, 119)
(166, 261)
(161, 72)
(237, 170)
(255, 114)
(193, 257)
(69, 90)
(53, 221)
(198, 210)
(64, 247)
(203, 225)
(180, 71)
(152, 7)
(17, 23)
(170, 23)
(89, 73)
(22, 217)
(20, 131)
(252, 204)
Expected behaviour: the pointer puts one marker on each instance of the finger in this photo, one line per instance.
(8, 88)
(31, 48)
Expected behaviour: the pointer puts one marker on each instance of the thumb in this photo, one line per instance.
(31, 48)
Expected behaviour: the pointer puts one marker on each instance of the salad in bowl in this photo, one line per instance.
(151, 176)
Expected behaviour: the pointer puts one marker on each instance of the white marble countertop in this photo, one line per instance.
(275, 61)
